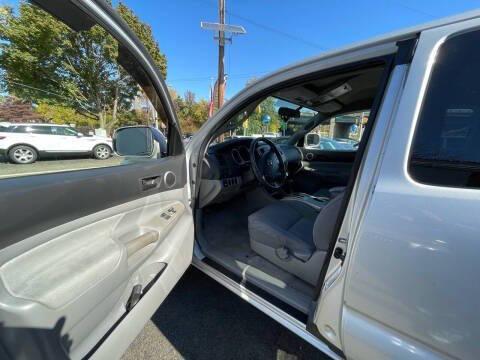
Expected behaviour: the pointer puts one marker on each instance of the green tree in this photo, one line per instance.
(60, 114)
(266, 107)
(144, 33)
(44, 61)
(191, 113)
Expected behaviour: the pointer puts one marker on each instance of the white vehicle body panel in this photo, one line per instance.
(412, 261)
(195, 147)
(403, 291)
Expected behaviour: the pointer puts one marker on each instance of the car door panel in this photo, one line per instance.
(48, 200)
(87, 256)
(41, 142)
(324, 169)
(86, 143)
(64, 143)
(76, 278)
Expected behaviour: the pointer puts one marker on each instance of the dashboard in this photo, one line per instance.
(226, 168)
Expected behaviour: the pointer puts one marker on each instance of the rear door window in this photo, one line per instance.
(446, 144)
(22, 129)
(339, 133)
(64, 131)
(41, 130)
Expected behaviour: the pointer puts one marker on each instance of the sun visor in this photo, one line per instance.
(329, 107)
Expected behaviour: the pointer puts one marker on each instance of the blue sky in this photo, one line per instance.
(279, 32)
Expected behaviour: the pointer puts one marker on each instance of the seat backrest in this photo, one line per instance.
(325, 223)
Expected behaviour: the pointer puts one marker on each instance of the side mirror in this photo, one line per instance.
(312, 140)
(79, 134)
(134, 141)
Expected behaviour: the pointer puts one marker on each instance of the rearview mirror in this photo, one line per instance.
(134, 141)
(312, 140)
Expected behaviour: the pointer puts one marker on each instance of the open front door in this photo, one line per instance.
(89, 247)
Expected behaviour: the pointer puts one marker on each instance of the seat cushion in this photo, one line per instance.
(330, 192)
(285, 224)
(322, 192)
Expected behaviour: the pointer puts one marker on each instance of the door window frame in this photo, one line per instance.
(101, 13)
(94, 189)
(421, 106)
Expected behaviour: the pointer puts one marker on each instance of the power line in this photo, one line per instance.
(418, 11)
(278, 32)
(233, 76)
(272, 29)
(50, 93)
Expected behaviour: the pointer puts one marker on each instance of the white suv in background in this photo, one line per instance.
(25, 143)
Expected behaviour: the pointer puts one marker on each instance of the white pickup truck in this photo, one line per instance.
(24, 143)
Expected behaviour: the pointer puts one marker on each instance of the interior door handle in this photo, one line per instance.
(141, 241)
(150, 182)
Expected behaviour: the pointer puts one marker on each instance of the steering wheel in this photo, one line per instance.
(267, 163)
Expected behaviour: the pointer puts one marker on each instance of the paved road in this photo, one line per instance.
(201, 319)
(43, 166)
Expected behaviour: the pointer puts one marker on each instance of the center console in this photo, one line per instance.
(316, 202)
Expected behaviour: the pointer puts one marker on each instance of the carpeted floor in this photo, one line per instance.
(228, 243)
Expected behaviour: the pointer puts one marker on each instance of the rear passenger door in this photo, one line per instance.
(67, 140)
(329, 151)
(88, 249)
(71, 141)
(411, 289)
(40, 137)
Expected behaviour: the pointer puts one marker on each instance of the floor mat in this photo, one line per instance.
(226, 229)
(226, 232)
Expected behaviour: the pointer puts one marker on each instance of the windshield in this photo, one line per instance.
(266, 119)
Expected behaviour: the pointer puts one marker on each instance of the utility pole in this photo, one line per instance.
(222, 29)
(221, 54)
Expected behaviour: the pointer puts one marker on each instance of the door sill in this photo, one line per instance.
(277, 314)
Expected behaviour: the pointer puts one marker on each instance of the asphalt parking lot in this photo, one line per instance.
(52, 165)
(201, 319)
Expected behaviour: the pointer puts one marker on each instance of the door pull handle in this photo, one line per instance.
(151, 182)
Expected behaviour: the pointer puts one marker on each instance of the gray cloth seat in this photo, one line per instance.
(294, 236)
(330, 192)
